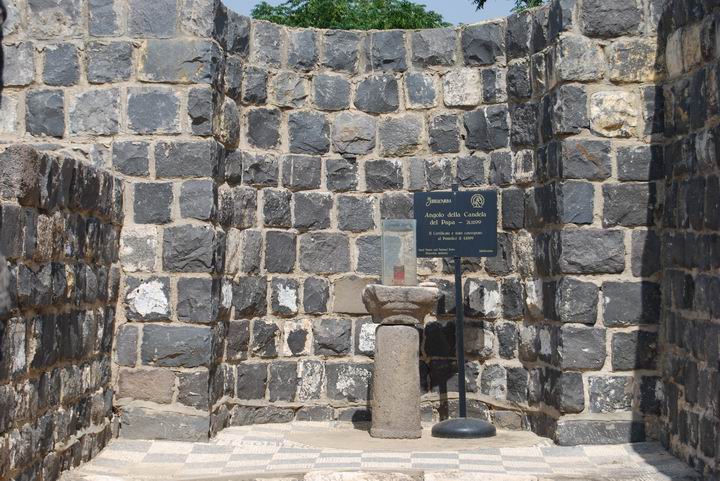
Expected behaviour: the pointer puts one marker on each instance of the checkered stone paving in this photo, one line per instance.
(273, 452)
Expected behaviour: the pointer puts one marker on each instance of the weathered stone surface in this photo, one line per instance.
(386, 50)
(354, 133)
(629, 205)
(148, 299)
(176, 346)
(144, 423)
(482, 298)
(444, 134)
(332, 337)
(433, 47)
(354, 213)
(483, 44)
(579, 59)
(9, 114)
(198, 199)
(575, 432)
(420, 90)
(614, 113)
(268, 39)
(309, 133)
(640, 162)
(276, 208)
(95, 112)
(399, 305)
(280, 248)
(610, 18)
(331, 92)
(156, 19)
(576, 301)
(249, 296)
(138, 248)
(581, 348)
(340, 50)
(349, 382)
(251, 380)
(126, 342)
(471, 171)
(104, 18)
(285, 294)
(634, 350)
(227, 125)
(462, 88)
(265, 338)
(260, 170)
(254, 85)
(585, 159)
(108, 62)
(45, 113)
(263, 127)
(312, 210)
(377, 94)
(346, 298)
(289, 90)
(592, 251)
(633, 60)
(153, 110)
(61, 65)
(368, 256)
(198, 300)
(396, 383)
(631, 303)
(316, 293)
(302, 50)
(487, 128)
(189, 248)
(611, 394)
(18, 69)
(282, 382)
(200, 111)
(400, 135)
(179, 61)
(154, 385)
(324, 253)
(152, 202)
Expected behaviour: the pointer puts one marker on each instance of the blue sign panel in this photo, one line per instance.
(456, 224)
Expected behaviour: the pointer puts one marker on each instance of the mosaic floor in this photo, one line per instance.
(275, 451)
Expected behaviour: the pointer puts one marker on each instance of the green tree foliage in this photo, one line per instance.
(350, 14)
(520, 5)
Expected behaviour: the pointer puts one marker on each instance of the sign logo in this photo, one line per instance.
(477, 201)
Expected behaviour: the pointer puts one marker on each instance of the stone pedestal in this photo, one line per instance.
(396, 378)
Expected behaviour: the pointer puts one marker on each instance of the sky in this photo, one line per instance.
(454, 11)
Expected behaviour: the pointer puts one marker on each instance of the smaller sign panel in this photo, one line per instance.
(456, 224)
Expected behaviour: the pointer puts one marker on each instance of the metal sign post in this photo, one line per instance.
(458, 224)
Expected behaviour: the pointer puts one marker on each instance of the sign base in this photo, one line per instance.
(463, 428)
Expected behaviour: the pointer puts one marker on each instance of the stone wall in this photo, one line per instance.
(260, 161)
(690, 337)
(59, 280)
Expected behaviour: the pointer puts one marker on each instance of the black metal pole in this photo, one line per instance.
(460, 336)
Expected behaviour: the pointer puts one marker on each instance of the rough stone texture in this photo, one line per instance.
(396, 384)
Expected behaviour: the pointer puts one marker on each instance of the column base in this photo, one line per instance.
(395, 433)
(464, 428)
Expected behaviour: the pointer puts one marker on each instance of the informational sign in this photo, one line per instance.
(456, 224)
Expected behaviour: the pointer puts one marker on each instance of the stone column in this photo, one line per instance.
(396, 379)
